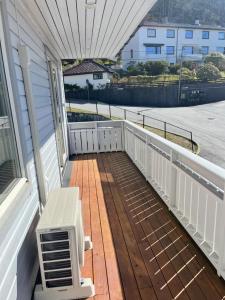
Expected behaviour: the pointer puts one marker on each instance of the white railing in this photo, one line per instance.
(93, 137)
(192, 187)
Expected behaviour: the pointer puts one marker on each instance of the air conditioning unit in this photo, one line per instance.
(61, 244)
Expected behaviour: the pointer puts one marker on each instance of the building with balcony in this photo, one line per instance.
(155, 212)
(172, 42)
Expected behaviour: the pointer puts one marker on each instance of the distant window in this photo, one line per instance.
(187, 50)
(221, 35)
(97, 76)
(205, 50)
(151, 32)
(170, 33)
(205, 35)
(151, 50)
(189, 34)
(9, 161)
(170, 50)
(131, 53)
(220, 49)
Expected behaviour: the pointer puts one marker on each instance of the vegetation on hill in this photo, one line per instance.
(182, 11)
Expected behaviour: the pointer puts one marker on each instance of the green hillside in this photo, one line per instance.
(210, 12)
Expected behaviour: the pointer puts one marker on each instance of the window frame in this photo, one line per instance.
(203, 32)
(186, 35)
(171, 30)
(172, 47)
(97, 74)
(219, 33)
(220, 51)
(10, 78)
(156, 47)
(205, 48)
(183, 54)
(151, 29)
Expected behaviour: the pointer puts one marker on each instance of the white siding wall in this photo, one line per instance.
(80, 80)
(17, 235)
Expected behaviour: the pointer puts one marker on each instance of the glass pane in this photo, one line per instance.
(9, 169)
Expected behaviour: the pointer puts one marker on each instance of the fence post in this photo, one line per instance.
(125, 114)
(192, 144)
(110, 114)
(165, 130)
(221, 227)
(143, 121)
(173, 181)
(96, 107)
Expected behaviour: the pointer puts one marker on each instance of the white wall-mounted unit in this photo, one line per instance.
(61, 245)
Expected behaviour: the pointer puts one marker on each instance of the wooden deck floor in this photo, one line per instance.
(139, 249)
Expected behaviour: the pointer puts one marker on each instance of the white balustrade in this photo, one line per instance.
(191, 187)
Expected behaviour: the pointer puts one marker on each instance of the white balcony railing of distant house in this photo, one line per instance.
(191, 187)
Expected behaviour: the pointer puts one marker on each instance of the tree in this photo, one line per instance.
(217, 59)
(186, 74)
(156, 68)
(208, 72)
(134, 70)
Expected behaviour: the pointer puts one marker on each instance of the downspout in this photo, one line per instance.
(25, 65)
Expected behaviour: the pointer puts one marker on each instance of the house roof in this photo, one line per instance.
(87, 67)
(180, 25)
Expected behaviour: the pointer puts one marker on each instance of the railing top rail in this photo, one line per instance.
(216, 170)
(152, 118)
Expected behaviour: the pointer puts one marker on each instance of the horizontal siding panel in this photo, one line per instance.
(39, 80)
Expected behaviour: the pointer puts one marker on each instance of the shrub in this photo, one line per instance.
(173, 69)
(134, 70)
(217, 59)
(156, 68)
(208, 72)
(71, 87)
(186, 74)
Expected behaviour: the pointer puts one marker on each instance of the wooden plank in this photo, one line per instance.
(115, 289)
(99, 267)
(126, 271)
(140, 271)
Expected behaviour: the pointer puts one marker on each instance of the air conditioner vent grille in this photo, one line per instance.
(57, 265)
(56, 255)
(54, 236)
(58, 274)
(55, 246)
(58, 283)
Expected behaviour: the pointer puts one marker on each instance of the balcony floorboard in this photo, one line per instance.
(140, 251)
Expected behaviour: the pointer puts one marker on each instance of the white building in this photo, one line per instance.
(34, 37)
(170, 42)
(88, 72)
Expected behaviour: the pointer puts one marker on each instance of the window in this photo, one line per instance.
(205, 50)
(151, 32)
(220, 49)
(189, 34)
(221, 35)
(170, 50)
(153, 50)
(205, 35)
(9, 162)
(131, 53)
(97, 76)
(187, 50)
(170, 33)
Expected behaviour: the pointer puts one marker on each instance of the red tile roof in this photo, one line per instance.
(87, 67)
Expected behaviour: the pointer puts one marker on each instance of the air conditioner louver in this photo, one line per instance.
(60, 241)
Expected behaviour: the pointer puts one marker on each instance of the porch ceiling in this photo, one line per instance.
(88, 28)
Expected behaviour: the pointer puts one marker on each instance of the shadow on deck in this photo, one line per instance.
(140, 251)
